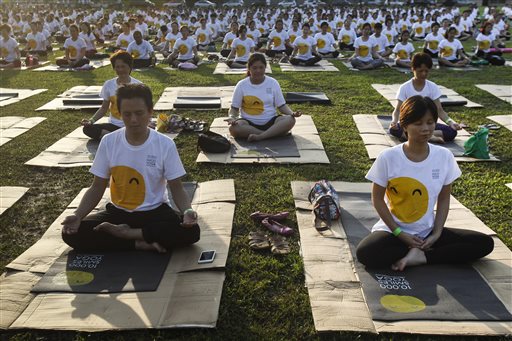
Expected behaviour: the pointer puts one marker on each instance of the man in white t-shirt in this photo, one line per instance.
(141, 51)
(139, 163)
(278, 42)
(9, 52)
(185, 50)
(325, 42)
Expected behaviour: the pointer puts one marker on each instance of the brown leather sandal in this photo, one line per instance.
(279, 245)
(258, 240)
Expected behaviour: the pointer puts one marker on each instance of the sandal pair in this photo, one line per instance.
(260, 241)
(270, 221)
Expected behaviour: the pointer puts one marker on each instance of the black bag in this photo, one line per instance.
(496, 60)
(210, 142)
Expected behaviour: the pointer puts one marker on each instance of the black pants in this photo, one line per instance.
(160, 225)
(225, 53)
(382, 249)
(94, 130)
(141, 63)
(306, 62)
(349, 47)
(272, 53)
(333, 54)
(431, 54)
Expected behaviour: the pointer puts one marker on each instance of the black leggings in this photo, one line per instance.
(94, 131)
(160, 225)
(431, 54)
(141, 63)
(382, 249)
(272, 53)
(307, 62)
(333, 54)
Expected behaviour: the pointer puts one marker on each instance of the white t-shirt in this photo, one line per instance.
(36, 42)
(254, 34)
(171, 38)
(293, 34)
(242, 49)
(449, 50)
(390, 35)
(325, 42)
(184, 48)
(365, 48)
(403, 52)
(142, 51)
(347, 36)
(485, 41)
(138, 174)
(433, 42)
(123, 40)
(381, 42)
(228, 39)
(109, 93)
(430, 90)
(419, 29)
(203, 36)
(258, 102)
(412, 188)
(89, 39)
(278, 39)
(8, 49)
(304, 47)
(74, 47)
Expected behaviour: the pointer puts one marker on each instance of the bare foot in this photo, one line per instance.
(436, 139)
(253, 137)
(145, 246)
(120, 231)
(414, 257)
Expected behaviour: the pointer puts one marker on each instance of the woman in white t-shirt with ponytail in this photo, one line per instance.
(451, 50)
(253, 114)
(411, 190)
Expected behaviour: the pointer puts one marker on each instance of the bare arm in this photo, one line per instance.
(285, 109)
(396, 114)
(443, 207)
(98, 114)
(182, 200)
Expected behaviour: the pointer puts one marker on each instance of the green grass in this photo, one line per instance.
(264, 296)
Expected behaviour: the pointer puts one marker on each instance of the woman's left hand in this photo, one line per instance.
(429, 241)
(189, 219)
(297, 113)
(455, 126)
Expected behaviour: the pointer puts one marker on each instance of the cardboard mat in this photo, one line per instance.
(389, 91)
(55, 68)
(24, 67)
(10, 96)
(304, 134)
(503, 92)
(223, 69)
(306, 97)
(509, 185)
(504, 120)
(189, 293)
(77, 98)
(13, 126)
(74, 150)
(9, 195)
(374, 132)
(207, 98)
(322, 66)
(122, 271)
(335, 291)
(277, 147)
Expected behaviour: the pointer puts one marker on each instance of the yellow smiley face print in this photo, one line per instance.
(171, 43)
(408, 199)
(339, 24)
(230, 41)
(252, 105)
(3, 52)
(183, 49)
(276, 41)
(201, 37)
(124, 43)
(135, 54)
(262, 29)
(402, 54)
(303, 48)
(127, 187)
(484, 45)
(250, 36)
(240, 50)
(292, 38)
(363, 50)
(402, 304)
(446, 51)
(433, 44)
(345, 39)
(419, 30)
(321, 43)
(390, 38)
(72, 51)
(113, 107)
(32, 44)
(73, 278)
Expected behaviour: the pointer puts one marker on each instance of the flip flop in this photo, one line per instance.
(276, 227)
(490, 126)
(258, 240)
(259, 216)
(279, 245)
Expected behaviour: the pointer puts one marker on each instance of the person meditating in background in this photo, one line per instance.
(421, 64)
(256, 98)
(408, 180)
(122, 63)
(140, 164)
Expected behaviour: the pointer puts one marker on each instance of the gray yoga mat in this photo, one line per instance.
(456, 149)
(454, 292)
(197, 103)
(284, 146)
(306, 97)
(123, 271)
(83, 153)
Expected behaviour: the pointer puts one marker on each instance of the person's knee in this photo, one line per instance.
(449, 134)
(92, 131)
(294, 61)
(364, 254)
(486, 245)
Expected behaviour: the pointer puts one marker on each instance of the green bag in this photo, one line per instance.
(476, 146)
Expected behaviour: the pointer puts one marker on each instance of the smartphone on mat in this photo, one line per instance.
(206, 257)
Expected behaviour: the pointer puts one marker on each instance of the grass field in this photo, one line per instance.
(264, 296)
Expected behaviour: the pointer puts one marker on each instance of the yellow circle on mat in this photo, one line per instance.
(73, 278)
(402, 304)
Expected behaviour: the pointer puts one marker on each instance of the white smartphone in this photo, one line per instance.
(206, 257)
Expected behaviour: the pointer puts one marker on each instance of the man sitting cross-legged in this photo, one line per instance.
(139, 162)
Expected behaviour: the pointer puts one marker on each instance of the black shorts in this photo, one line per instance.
(265, 126)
